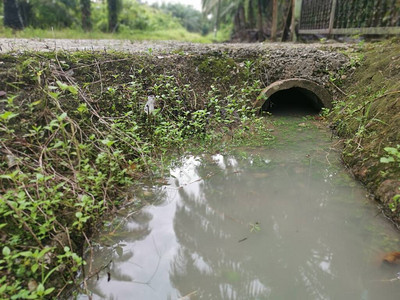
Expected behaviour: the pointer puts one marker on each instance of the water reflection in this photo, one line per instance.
(270, 224)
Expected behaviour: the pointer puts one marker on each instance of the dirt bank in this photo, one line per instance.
(367, 116)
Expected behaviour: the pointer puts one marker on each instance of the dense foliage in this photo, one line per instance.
(246, 19)
(190, 18)
(129, 16)
(74, 136)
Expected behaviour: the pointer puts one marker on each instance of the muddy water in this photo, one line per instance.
(281, 222)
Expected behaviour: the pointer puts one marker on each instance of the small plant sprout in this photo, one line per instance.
(254, 227)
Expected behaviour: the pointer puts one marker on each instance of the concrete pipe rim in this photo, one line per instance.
(322, 95)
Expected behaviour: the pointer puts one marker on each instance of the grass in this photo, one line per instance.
(179, 34)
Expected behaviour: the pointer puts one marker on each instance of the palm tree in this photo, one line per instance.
(248, 14)
(242, 12)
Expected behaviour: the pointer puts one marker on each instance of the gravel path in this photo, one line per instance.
(20, 45)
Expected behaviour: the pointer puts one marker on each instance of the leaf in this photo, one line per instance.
(40, 288)
(10, 176)
(386, 160)
(49, 291)
(62, 116)
(82, 108)
(8, 115)
(61, 85)
(34, 267)
(25, 254)
(58, 144)
(65, 87)
(36, 102)
(391, 150)
(107, 142)
(6, 251)
(54, 95)
(39, 177)
(73, 90)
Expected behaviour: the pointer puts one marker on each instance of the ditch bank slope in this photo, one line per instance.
(367, 116)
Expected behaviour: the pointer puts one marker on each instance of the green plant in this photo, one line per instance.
(254, 227)
(393, 155)
(394, 204)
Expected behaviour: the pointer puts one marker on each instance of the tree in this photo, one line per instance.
(265, 17)
(86, 15)
(112, 15)
(260, 18)
(12, 15)
(274, 19)
(46, 14)
(189, 17)
(241, 12)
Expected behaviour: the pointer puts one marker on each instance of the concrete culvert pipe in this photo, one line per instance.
(294, 94)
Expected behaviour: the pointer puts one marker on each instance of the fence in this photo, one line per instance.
(336, 17)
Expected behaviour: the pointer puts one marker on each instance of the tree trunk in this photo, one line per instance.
(12, 16)
(86, 15)
(286, 28)
(293, 22)
(274, 19)
(260, 19)
(242, 17)
(25, 10)
(217, 18)
(112, 15)
(251, 17)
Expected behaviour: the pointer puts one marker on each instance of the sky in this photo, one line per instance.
(195, 3)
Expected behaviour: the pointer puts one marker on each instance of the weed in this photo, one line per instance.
(393, 155)
(74, 144)
(394, 204)
(367, 115)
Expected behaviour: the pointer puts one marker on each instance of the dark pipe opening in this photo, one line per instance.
(294, 101)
